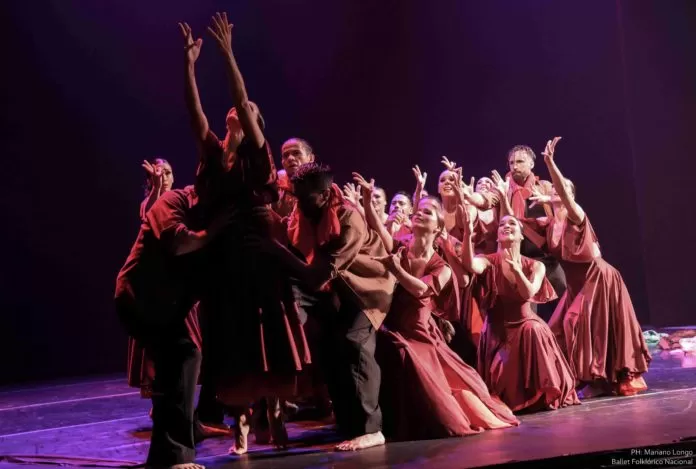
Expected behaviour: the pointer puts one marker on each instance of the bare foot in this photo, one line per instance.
(241, 435)
(362, 442)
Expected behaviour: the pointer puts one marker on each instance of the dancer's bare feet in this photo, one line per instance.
(241, 436)
(362, 442)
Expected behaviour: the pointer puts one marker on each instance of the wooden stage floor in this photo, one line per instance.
(100, 422)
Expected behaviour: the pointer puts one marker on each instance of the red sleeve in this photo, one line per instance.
(166, 216)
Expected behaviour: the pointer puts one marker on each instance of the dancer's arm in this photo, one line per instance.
(470, 262)
(371, 217)
(166, 219)
(199, 122)
(421, 178)
(576, 215)
(155, 174)
(247, 113)
(414, 285)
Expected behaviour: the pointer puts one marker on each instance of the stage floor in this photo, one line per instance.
(102, 422)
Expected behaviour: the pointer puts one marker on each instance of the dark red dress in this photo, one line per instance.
(256, 335)
(595, 322)
(427, 391)
(519, 357)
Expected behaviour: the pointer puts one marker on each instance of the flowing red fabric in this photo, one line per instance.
(518, 200)
(305, 236)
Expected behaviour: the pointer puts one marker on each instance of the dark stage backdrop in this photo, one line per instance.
(94, 87)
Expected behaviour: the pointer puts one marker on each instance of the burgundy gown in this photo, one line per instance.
(595, 322)
(141, 370)
(519, 357)
(427, 391)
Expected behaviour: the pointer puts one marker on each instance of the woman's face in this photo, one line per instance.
(509, 229)
(446, 184)
(167, 176)
(379, 200)
(484, 185)
(427, 216)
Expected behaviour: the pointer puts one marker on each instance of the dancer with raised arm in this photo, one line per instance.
(141, 369)
(594, 322)
(254, 330)
(518, 356)
(155, 291)
(346, 291)
(524, 184)
(427, 390)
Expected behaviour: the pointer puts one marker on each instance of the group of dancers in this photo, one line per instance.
(413, 319)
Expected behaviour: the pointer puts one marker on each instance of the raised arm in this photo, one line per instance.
(470, 262)
(501, 187)
(525, 287)
(420, 184)
(248, 113)
(371, 217)
(575, 213)
(155, 174)
(199, 122)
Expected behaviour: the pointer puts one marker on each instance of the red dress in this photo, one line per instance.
(427, 391)
(141, 370)
(519, 357)
(595, 321)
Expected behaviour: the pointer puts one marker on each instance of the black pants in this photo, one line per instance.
(346, 349)
(177, 363)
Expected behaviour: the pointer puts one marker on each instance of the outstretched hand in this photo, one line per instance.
(367, 187)
(538, 197)
(222, 32)
(351, 193)
(155, 174)
(450, 165)
(420, 177)
(550, 149)
(392, 261)
(192, 48)
(500, 185)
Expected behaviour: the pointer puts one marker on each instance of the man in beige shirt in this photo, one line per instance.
(346, 292)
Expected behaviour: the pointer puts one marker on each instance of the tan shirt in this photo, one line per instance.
(355, 274)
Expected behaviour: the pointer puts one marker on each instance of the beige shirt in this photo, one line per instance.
(355, 273)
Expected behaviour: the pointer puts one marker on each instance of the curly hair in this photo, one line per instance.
(313, 177)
